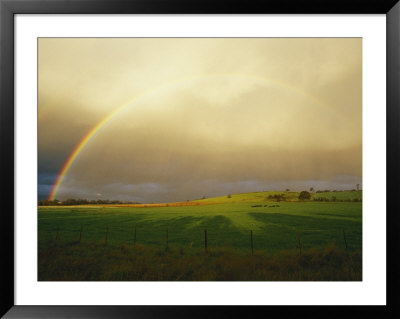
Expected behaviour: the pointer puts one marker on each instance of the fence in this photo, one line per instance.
(109, 236)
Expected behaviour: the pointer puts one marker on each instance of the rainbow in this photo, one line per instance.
(78, 148)
(89, 135)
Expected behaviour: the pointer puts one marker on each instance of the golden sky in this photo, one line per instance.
(203, 116)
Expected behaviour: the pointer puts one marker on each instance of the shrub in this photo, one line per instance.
(277, 197)
(304, 195)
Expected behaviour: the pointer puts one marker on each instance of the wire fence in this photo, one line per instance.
(165, 237)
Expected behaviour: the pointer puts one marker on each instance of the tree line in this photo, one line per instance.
(79, 201)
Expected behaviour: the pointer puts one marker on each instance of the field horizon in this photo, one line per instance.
(289, 196)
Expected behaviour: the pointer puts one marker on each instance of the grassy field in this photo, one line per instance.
(276, 226)
(290, 196)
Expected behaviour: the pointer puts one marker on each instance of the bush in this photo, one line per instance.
(277, 197)
(304, 195)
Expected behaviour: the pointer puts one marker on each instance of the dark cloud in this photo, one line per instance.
(207, 117)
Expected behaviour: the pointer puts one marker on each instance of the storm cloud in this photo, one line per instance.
(202, 117)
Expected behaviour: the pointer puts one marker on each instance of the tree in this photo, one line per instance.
(277, 197)
(304, 195)
(358, 187)
(311, 189)
(287, 189)
(229, 196)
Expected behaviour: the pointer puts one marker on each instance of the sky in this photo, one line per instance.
(176, 119)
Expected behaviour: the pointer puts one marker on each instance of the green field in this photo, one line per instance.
(276, 226)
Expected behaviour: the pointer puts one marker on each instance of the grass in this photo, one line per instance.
(98, 262)
(290, 196)
(228, 222)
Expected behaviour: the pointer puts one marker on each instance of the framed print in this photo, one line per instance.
(175, 159)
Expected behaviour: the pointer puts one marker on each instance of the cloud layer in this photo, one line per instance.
(207, 116)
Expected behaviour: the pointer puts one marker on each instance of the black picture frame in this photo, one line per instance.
(8, 8)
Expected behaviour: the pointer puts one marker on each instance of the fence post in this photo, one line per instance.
(166, 239)
(299, 240)
(344, 237)
(205, 240)
(134, 238)
(80, 235)
(251, 240)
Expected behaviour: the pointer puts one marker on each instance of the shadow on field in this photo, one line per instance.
(296, 222)
(218, 223)
(189, 230)
(141, 228)
(187, 223)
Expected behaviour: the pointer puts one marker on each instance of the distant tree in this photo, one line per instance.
(358, 187)
(229, 196)
(304, 195)
(277, 197)
(203, 197)
(287, 189)
(80, 201)
(70, 201)
(311, 189)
